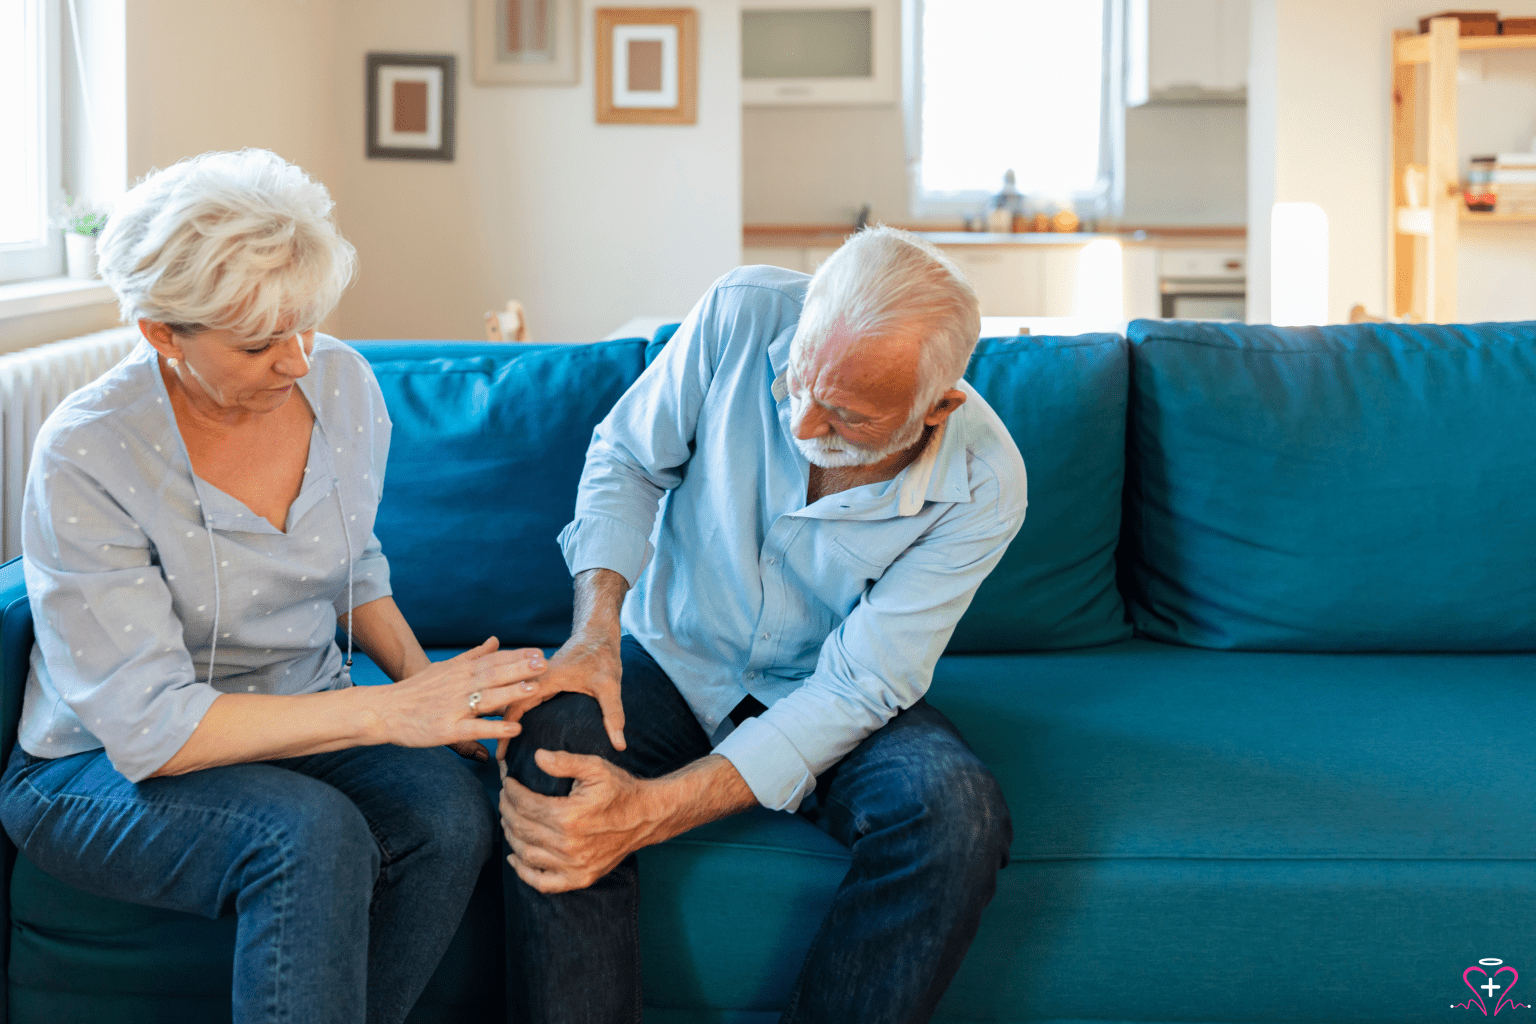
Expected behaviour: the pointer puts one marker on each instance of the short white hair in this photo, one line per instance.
(243, 242)
(883, 280)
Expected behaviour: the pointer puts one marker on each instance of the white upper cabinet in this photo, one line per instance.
(1195, 48)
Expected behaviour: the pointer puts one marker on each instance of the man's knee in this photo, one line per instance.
(568, 721)
(961, 815)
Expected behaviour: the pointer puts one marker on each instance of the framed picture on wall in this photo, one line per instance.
(647, 65)
(527, 42)
(410, 99)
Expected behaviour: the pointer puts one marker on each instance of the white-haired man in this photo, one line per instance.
(837, 494)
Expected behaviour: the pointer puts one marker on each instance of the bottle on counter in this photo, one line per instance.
(1005, 206)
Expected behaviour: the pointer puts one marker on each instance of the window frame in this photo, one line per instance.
(23, 261)
(1105, 201)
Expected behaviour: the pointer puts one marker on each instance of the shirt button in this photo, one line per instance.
(765, 636)
(751, 675)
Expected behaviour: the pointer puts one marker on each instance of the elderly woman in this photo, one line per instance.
(196, 524)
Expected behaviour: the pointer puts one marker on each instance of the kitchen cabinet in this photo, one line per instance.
(1197, 48)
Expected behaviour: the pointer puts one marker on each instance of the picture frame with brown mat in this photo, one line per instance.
(410, 106)
(527, 42)
(647, 65)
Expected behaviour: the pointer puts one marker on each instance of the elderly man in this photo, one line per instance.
(837, 494)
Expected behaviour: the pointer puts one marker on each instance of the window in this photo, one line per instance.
(1030, 86)
(29, 93)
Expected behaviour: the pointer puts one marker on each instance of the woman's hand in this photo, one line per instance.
(432, 707)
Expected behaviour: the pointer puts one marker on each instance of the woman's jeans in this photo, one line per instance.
(924, 820)
(348, 871)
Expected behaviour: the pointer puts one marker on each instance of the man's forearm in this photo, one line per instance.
(704, 791)
(599, 595)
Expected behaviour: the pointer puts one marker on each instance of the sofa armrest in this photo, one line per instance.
(15, 654)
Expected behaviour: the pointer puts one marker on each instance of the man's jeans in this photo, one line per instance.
(349, 871)
(923, 817)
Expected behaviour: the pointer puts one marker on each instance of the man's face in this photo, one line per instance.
(852, 401)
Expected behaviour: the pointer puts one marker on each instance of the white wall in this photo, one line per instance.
(586, 224)
(1319, 131)
(236, 73)
(1262, 140)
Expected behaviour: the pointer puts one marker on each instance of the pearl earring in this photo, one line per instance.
(171, 362)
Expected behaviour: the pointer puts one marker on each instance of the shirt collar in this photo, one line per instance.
(941, 473)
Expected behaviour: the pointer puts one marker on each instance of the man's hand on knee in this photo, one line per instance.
(589, 662)
(589, 668)
(564, 843)
(560, 843)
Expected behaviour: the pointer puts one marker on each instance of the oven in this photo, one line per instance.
(1203, 284)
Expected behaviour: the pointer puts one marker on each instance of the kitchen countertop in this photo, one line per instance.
(796, 235)
(991, 326)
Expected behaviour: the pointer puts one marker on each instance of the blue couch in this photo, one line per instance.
(1258, 678)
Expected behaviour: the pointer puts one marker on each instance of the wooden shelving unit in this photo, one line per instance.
(1477, 217)
(1427, 236)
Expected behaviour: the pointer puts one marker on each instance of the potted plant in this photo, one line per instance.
(82, 221)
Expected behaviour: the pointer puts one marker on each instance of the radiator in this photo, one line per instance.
(32, 384)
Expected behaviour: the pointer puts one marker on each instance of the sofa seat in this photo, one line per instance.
(1341, 834)
(1183, 818)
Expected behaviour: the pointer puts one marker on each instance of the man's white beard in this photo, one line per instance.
(832, 452)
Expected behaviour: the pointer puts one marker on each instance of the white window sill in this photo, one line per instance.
(49, 294)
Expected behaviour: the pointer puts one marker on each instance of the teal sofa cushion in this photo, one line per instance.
(1064, 401)
(1220, 836)
(1353, 488)
(483, 464)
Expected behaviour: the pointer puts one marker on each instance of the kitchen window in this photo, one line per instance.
(29, 101)
(1032, 86)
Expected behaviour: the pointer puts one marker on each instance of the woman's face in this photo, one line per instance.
(236, 373)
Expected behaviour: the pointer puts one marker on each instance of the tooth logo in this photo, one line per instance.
(1498, 984)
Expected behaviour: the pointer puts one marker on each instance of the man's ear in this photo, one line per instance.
(951, 400)
(162, 338)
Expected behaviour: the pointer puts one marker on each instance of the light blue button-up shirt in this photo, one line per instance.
(134, 563)
(832, 614)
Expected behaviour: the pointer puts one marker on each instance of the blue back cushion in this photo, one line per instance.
(488, 446)
(489, 443)
(1353, 488)
(1064, 402)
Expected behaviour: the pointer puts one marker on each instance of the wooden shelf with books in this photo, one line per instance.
(1422, 229)
(1409, 48)
(1495, 217)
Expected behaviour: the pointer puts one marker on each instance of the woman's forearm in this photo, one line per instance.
(242, 727)
(382, 633)
(443, 703)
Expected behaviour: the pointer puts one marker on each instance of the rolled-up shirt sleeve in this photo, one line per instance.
(638, 452)
(370, 578)
(880, 659)
(104, 620)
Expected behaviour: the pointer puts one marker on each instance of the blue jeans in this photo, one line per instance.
(923, 817)
(348, 871)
